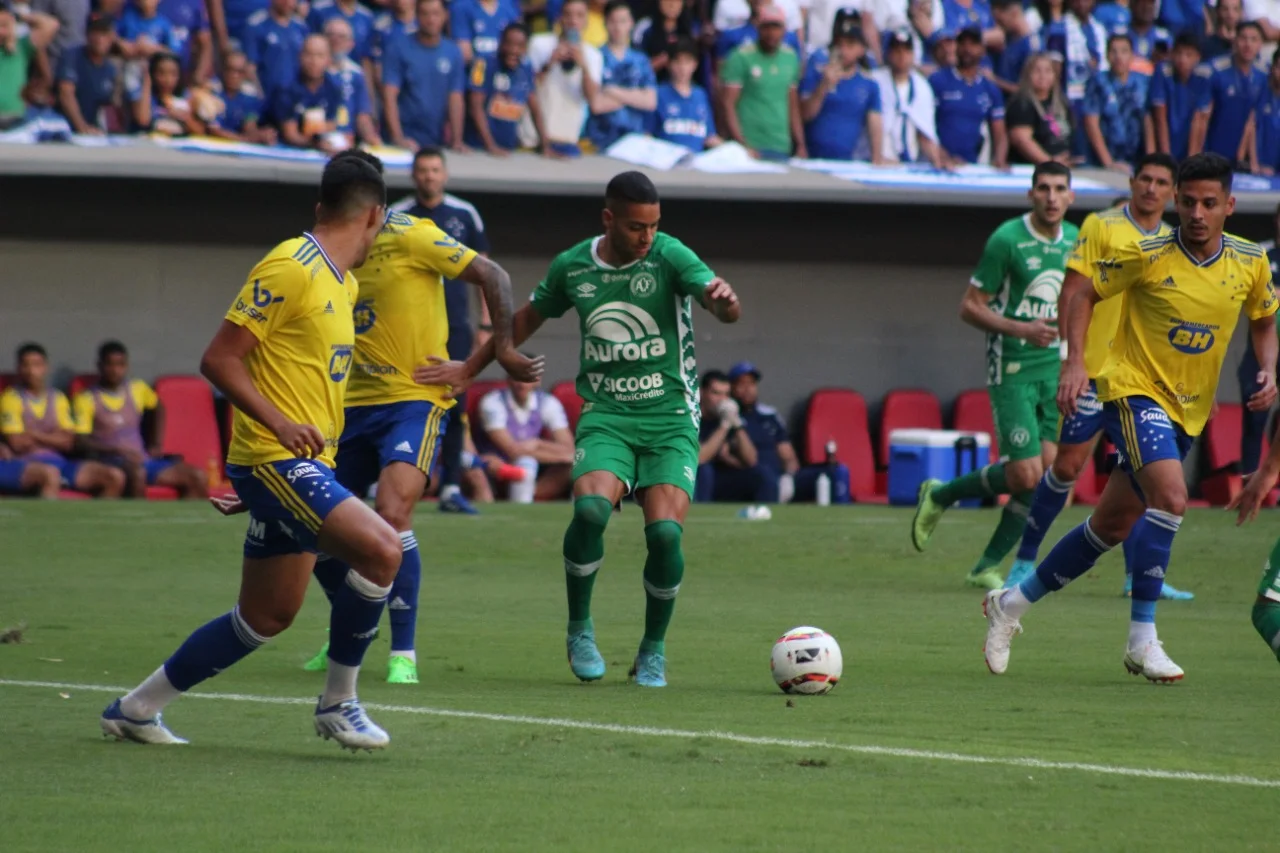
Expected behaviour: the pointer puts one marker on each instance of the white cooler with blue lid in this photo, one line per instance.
(916, 455)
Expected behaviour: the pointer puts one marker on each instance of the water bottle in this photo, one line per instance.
(823, 486)
(831, 453)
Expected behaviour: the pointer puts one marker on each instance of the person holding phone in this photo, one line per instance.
(568, 77)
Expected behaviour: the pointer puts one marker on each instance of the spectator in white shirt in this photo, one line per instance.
(907, 106)
(920, 18)
(525, 426)
(1266, 14)
(569, 72)
(731, 14)
(821, 23)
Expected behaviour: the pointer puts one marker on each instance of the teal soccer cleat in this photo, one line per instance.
(649, 670)
(584, 657)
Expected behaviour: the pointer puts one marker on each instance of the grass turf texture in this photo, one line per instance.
(108, 590)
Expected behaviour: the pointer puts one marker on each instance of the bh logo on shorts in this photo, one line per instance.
(619, 331)
(364, 316)
(340, 362)
(1191, 338)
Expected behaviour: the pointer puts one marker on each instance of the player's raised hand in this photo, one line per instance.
(1039, 333)
(1265, 396)
(721, 300)
(302, 440)
(229, 505)
(1256, 488)
(438, 371)
(1073, 382)
(521, 367)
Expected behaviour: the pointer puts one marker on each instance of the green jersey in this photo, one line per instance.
(636, 323)
(1023, 272)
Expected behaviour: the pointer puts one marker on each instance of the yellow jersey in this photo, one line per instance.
(299, 308)
(15, 406)
(400, 318)
(1179, 315)
(143, 396)
(1100, 236)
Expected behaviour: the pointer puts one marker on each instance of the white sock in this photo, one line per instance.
(339, 685)
(1141, 633)
(1013, 602)
(149, 698)
(411, 655)
(447, 492)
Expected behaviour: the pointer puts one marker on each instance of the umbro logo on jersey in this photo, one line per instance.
(328, 309)
(1034, 263)
(404, 447)
(586, 289)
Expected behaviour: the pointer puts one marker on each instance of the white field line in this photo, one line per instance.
(728, 737)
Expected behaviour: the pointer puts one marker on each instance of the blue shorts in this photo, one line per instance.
(153, 467)
(1086, 423)
(376, 436)
(11, 471)
(287, 501)
(1143, 432)
(67, 468)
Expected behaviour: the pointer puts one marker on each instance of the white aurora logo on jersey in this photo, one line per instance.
(627, 333)
(1041, 299)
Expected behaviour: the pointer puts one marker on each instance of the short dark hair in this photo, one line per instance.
(435, 150)
(714, 376)
(614, 5)
(1187, 39)
(1005, 4)
(1050, 167)
(158, 58)
(1251, 25)
(1164, 161)
(630, 188)
(567, 2)
(513, 27)
(110, 348)
(683, 45)
(28, 348)
(360, 154)
(1120, 36)
(350, 184)
(1206, 167)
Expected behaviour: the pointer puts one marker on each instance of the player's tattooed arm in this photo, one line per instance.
(495, 285)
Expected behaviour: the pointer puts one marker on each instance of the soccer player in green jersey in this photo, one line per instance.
(634, 290)
(1013, 297)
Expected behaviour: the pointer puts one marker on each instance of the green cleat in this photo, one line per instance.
(401, 670)
(985, 579)
(319, 663)
(928, 513)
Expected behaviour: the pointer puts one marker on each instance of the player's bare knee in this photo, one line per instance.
(397, 513)
(1112, 528)
(112, 481)
(1171, 500)
(383, 560)
(268, 618)
(1024, 476)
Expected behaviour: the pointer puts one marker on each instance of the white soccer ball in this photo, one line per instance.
(806, 660)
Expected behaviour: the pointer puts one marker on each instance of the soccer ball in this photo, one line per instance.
(806, 660)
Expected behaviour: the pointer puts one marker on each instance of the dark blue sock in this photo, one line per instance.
(1074, 555)
(213, 647)
(403, 605)
(1050, 498)
(1153, 541)
(353, 622)
(331, 573)
(1131, 546)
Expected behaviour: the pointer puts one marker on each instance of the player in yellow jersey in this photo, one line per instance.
(1183, 294)
(393, 425)
(1102, 233)
(282, 356)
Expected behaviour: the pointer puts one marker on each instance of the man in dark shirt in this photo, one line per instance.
(728, 465)
(776, 456)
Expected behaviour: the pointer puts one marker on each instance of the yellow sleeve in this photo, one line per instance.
(144, 397)
(1090, 244)
(62, 407)
(1121, 271)
(270, 297)
(84, 411)
(436, 250)
(11, 413)
(1262, 296)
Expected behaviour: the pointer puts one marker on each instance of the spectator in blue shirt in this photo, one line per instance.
(1264, 146)
(967, 102)
(684, 115)
(355, 116)
(1181, 16)
(1081, 41)
(239, 115)
(229, 20)
(628, 92)
(838, 102)
(357, 17)
(1151, 44)
(192, 42)
(477, 25)
(1227, 15)
(144, 32)
(973, 14)
(307, 109)
(86, 78)
(399, 20)
(1021, 41)
(1115, 108)
(1234, 87)
(272, 44)
(501, 93)
(730, 40)
(1114, 16)
(422, 84)
(161, 106)
(1179, 90)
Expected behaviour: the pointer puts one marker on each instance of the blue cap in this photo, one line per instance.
(939, 35)
(743, 368)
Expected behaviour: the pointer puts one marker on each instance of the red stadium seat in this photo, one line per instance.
(73, 495)
(907, 409)
(567, 393)
(191, 426)
(161, 493)
(7, 379)
(1222, 454)
(81, 382)
(475, 394)
(972, 413)
(841, 414)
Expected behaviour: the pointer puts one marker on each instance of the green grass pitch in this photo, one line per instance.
(918, 748)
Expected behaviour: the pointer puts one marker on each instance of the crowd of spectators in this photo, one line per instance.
(945, 82)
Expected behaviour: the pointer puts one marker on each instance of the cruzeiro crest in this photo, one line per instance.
(643, 284)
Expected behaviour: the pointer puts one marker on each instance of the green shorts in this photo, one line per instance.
(1025, 414)
(640, 450)
(1270, 586)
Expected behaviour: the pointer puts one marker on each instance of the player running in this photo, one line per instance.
(633, 289)
(282, 356)
(393, 425)
(1102, 234)
(1266, 606)
(1183, 293)
(1013, 297)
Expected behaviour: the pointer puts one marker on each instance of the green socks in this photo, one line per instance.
(583, 554)
(1266, 620)
(984, 483)
(1008, 532)
(663, 571)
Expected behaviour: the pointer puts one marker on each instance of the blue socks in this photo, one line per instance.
(353, 622)
(1074, 555)
(403, 605)
(330, 572)
(213, 647)
(1152, 540)
(1050, 498)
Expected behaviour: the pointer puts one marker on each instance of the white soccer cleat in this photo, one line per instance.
(350, 726)
(1001, 629)
(153, 731)
(1151, 662)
